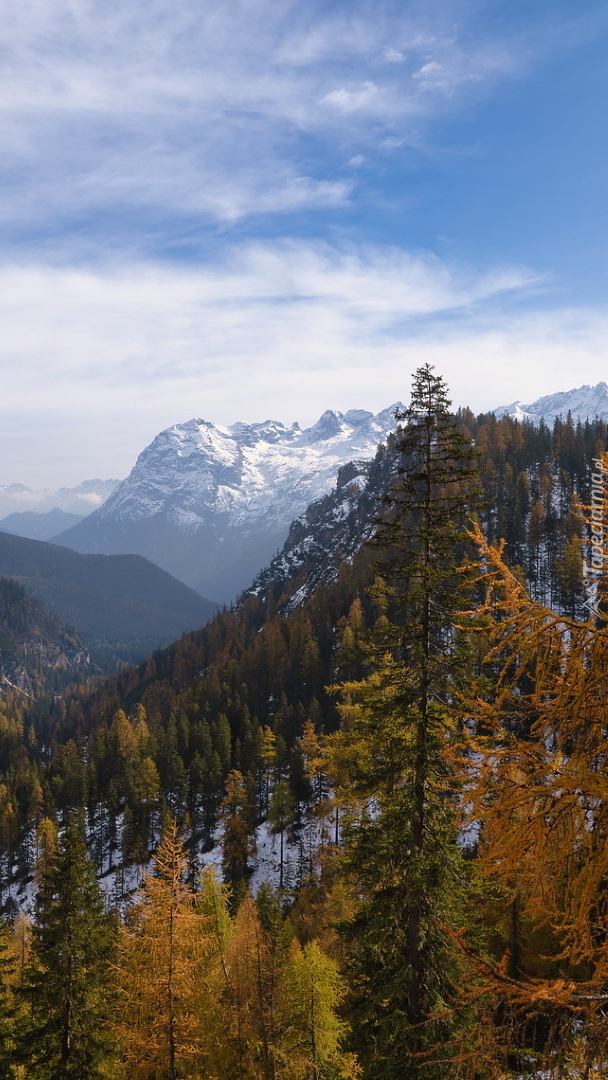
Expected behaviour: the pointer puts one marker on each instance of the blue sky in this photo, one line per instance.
(238, 209)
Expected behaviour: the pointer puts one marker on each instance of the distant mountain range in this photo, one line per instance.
(39, 526)
(81, 500)
(212, 505)
(583, 403)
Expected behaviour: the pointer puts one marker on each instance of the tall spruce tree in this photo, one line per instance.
(66, 984)
(395, 757)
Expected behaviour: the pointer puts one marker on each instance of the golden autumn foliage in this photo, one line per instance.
(479, 881)
(204, 993)
(537, 791)
(156, 971)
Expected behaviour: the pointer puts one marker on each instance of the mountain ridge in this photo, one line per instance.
(583, 403)
(123, 602)
(81, 499)
(39, 526)
(212, 505)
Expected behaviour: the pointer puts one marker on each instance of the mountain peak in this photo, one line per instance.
(583, 403)
(212, 504)
(327, 426)
(357, 417)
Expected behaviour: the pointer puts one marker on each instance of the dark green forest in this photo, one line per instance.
(424, 738)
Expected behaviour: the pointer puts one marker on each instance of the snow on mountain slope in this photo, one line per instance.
(213, 504)
(585, 402)
(329, 532)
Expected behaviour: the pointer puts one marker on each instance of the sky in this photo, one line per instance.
(252, 209)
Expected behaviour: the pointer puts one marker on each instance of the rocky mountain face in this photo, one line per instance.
(329, 533)
(212, 505)
(583, 403)
(530, 477)
(36, 648)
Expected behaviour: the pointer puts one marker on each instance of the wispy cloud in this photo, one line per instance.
(206, 109)
(349, 101)
(103, 359)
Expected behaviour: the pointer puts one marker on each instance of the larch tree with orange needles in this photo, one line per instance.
(156, 972)
(539, 793)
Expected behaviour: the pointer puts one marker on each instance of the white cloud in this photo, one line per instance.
(96, 362)
(393, 56)
(350, 101)
(124, 124)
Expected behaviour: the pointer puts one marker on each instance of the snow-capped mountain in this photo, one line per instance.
(212, 505)
(583, 403)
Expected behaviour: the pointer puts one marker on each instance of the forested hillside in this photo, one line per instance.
(534, 479)
(38, 653)
(122, 605)
(204, 701)
(419, 721)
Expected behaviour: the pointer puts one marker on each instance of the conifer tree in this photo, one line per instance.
(8, 1008)
(395, 757)
(215, 992)
(156, 971)
(66, 982)
(281, 819)
(252, 994)
(311, 1031)
(540, 801)
(238, 837)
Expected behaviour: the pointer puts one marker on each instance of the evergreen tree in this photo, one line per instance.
(7, 1005)
(66, 983)
(215, 990)
(238, 837)
(311, 1031)
(281, 816)
(156, 971)
(395, 756)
